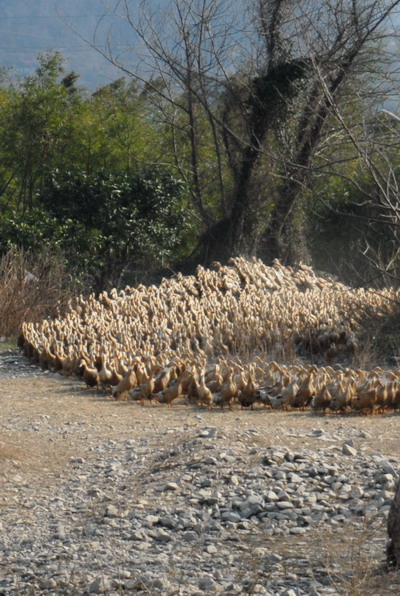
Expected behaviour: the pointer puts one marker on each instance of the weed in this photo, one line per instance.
(30, 289)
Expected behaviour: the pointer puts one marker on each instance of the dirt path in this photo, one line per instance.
(44, 417)
(48, 420)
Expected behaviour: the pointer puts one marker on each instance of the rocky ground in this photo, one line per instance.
(105, 497)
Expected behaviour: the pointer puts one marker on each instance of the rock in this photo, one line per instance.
(231, 516)
(190, 536)
(382, 478)
(356, 492)
(204, 433)
(255, 500)
(284, 505)
(294, 478)
(289, 592)
(161, 536)
(138, 536)
(206, 583)
(77, 460)
(387, 468)
(168, 522)
(48, 583)
(211, 549)
(161, 584)
(171, 486)
(111, 511)
(60, 532)
(297, 530)
(99, 585)
(349, 450)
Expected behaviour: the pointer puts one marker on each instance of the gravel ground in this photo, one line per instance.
(105, 497)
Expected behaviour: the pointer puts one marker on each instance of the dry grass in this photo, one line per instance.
(348, 560)
(380, 341)
(352, 560)
(31, 288)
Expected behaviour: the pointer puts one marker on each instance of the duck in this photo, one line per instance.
(128, 383)
(322, 400)
(204, 394)
(227, 392)
(304, 395)
(90, 375)
(168, 395)
(248, 396)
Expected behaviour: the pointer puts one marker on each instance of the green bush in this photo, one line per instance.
(104, 222)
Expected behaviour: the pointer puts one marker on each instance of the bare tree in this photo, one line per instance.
(264, 86)
(341, 42)
(374, 206)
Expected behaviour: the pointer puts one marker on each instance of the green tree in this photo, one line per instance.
(36, 125)
(104, 223)
(109, 221)
(124, 135)
(265, 82)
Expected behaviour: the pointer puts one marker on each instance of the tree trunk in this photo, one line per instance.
(269, 99)
(277, 238)
(393, 529)
(284, 239)
(243, 220)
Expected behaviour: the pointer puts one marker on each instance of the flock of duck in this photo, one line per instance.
(213, 339)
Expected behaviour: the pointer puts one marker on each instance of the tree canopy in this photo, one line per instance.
(255, 132)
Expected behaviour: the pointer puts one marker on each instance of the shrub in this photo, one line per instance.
(31, 288)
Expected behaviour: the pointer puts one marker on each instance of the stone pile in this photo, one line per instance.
(209, 512)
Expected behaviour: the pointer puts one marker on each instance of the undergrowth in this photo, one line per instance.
(31, 288)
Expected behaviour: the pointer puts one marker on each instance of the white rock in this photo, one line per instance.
(171, 486)
(111, 511)
(349, 450)
(211, 549)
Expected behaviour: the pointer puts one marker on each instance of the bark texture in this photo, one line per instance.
(393, 529)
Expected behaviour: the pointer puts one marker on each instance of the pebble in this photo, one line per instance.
(190, 536)
(349, 450)
(231, 516)
(136, 516)
(171, 486)
(60, 532)
(206, 583)
(111, 511)
(99, 585)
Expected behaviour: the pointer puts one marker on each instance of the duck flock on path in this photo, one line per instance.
(214, 338)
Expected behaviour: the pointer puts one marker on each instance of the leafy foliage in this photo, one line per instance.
(103, 221)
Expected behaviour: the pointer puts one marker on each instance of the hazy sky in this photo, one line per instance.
(28, 27)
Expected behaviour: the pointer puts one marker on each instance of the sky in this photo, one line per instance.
(29, 27)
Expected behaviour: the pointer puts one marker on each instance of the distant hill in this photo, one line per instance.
(29, 27)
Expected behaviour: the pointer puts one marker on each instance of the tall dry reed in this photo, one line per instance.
(31, 288)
